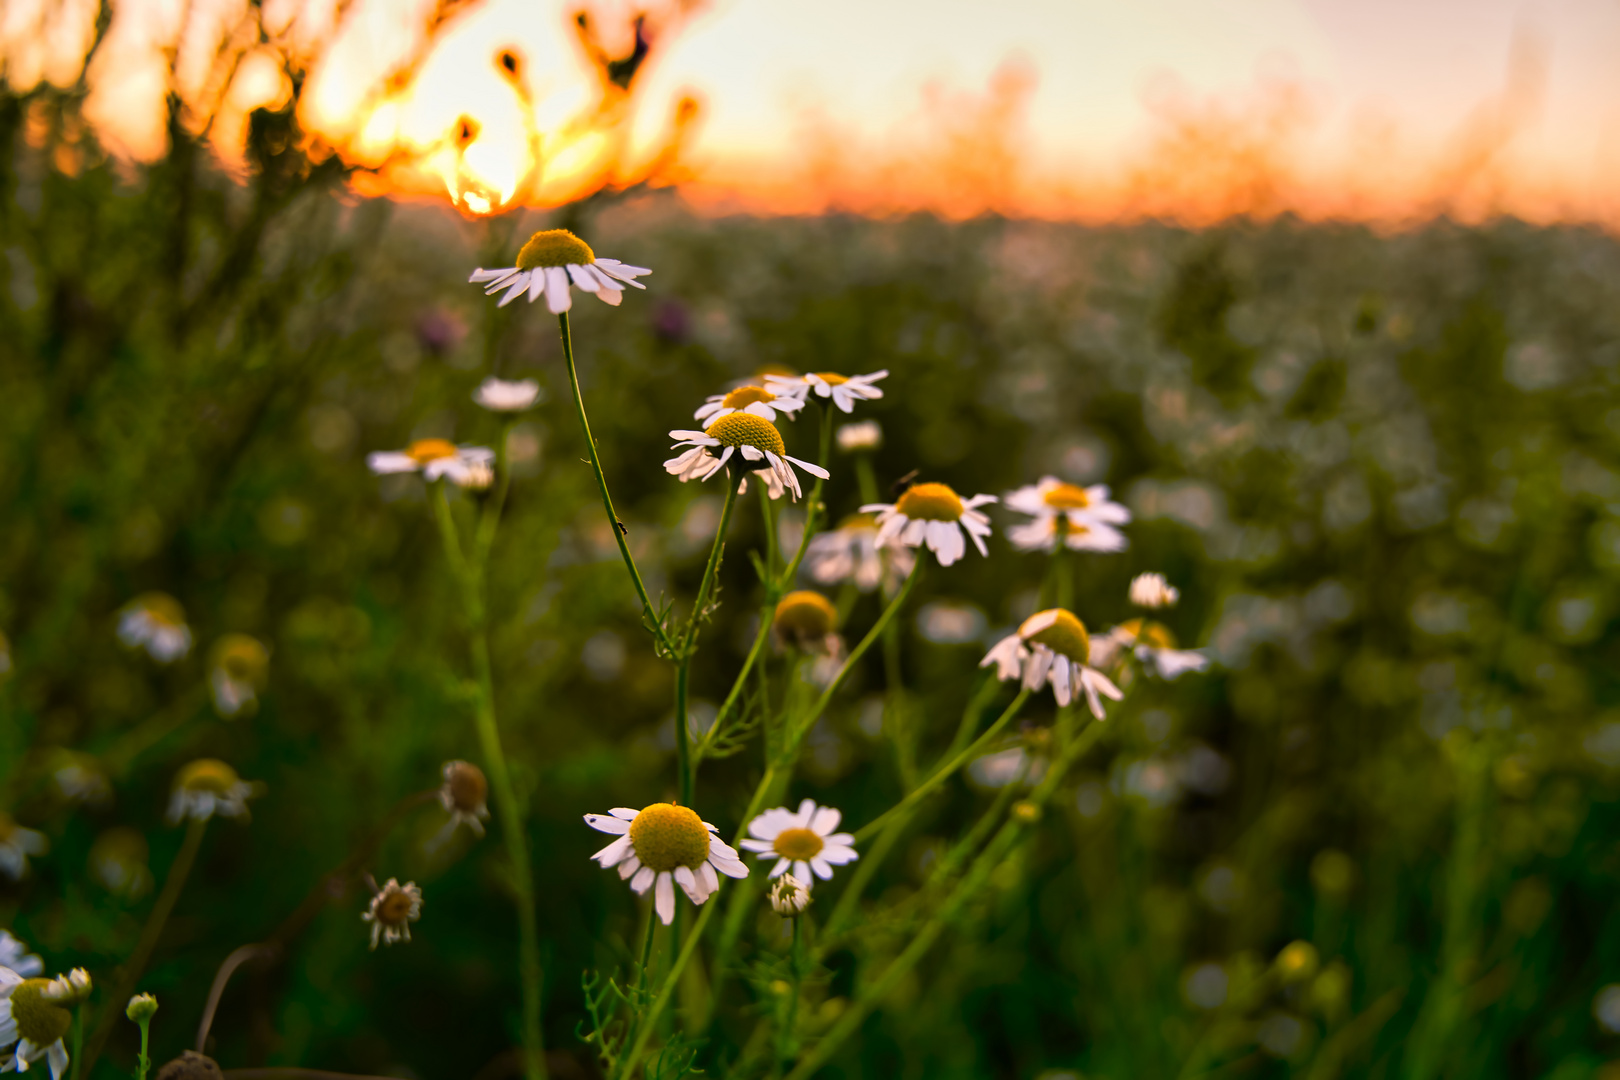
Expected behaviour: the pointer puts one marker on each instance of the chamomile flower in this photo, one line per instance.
(33, 1018)
(806, 620)
(1084, 518)
(665, 845)
(802, 840)
(239, 669)
(392, 910)
(501, 395)
(155, 622)
(1052, 646)
(16, 844)
(774, 488)
(79, 777)
(206, 787)
(844, 390)
(1153, 591)
(464, 796)
(850, 552)
(750, 399)
(1153, 645)
(14, 956)
(935, 515)
(752, 437)
(433, 458)
(549, 263)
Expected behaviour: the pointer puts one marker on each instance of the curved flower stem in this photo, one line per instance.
(132, 970)
(939, 775)
(648, 1022)
(648, 611)
(471, 579)
(976, 878)
(786, 1043)
(683, 652)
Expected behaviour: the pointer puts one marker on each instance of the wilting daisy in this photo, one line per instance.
(1153, 591)
(865, 435)
(154, 621)
(750, 399)
(464, 796)
(753, 437)
(34, 1016)
(392, 910)
(501, 395)
(14, 955)
(845, 390)
(936, 515)
(16, 844)
(851, 553)
(206, 787)
(549, 263)
(789, 896)
(433, 458)
(239, 668)
(803, 840)
(1084, 517)
(666, 845)
(1153, 644)
(1053, 646)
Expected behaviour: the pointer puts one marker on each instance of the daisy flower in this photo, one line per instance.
(803, 840)
(240, 668)
(118, 863)
(14, 955)
(16, 844)
(851, 553)
(750, 399)
(1085, 516)
(392, 910)
(433, 458)
(934, 514)
(501, 395)
(34, 1016)
(666, 845)
(1153, 644)
(753, 437)
(789, 896)
(80, 778)
(155, 622)
(549, 263)
(866, 435)
(464, 796)
(845, 390)
(1153, 591)
(208, 786)
(806, 620)
(1053, 646)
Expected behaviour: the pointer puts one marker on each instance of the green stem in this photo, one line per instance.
(814, 507)
(646, 948)
(683, 653)
(131, 973)
(768, 511)
(720, 718)
(649, 1021)
(144, 1062)
(785, 1047)
(648, 612)
(496, 502)
(78, 1042)
(866, 479)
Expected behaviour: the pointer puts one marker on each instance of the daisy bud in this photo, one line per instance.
(789, 897)
(191, 1065)
(1153, 591)
(478, 476)
(142, 1007)
(866, 435)
(69, 989)
(501, 395)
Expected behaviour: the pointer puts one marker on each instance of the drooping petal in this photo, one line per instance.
(629, 867)
(559, 298)
(643, 880)
(813, 470)
(614, 853)
(664, 898)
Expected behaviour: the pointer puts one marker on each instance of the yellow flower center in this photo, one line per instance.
(37, 1019)
(859, 521)
(242, 657)
(804, 616)
(1067, 497)
(1152, 634)
(1065, 635)
(163, 609)
(666, 837)
(746, 429)
(423, 451)
(930, 502)
(554, 247)
(832, 378)
(395, 907)
(799, 844)
(467, 787)
(744, 396)
(208, 774)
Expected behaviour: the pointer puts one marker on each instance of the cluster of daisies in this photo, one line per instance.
(238, 665)
(35, 1012)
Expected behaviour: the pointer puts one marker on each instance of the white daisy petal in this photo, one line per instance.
(613, 853)
(558, 296)
(664, 898)
(643, 880)
(608, 824)
(629, 867)
(825, 821)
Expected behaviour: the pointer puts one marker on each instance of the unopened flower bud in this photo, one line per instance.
(865, 435)
(1153, 591)
(789, 897)
(478, 476)
(142, 1007)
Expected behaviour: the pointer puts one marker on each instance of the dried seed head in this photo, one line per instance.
(392, 911)
(191, 1065)
(464, 791)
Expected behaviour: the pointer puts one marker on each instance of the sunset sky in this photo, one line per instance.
(1360, 108)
